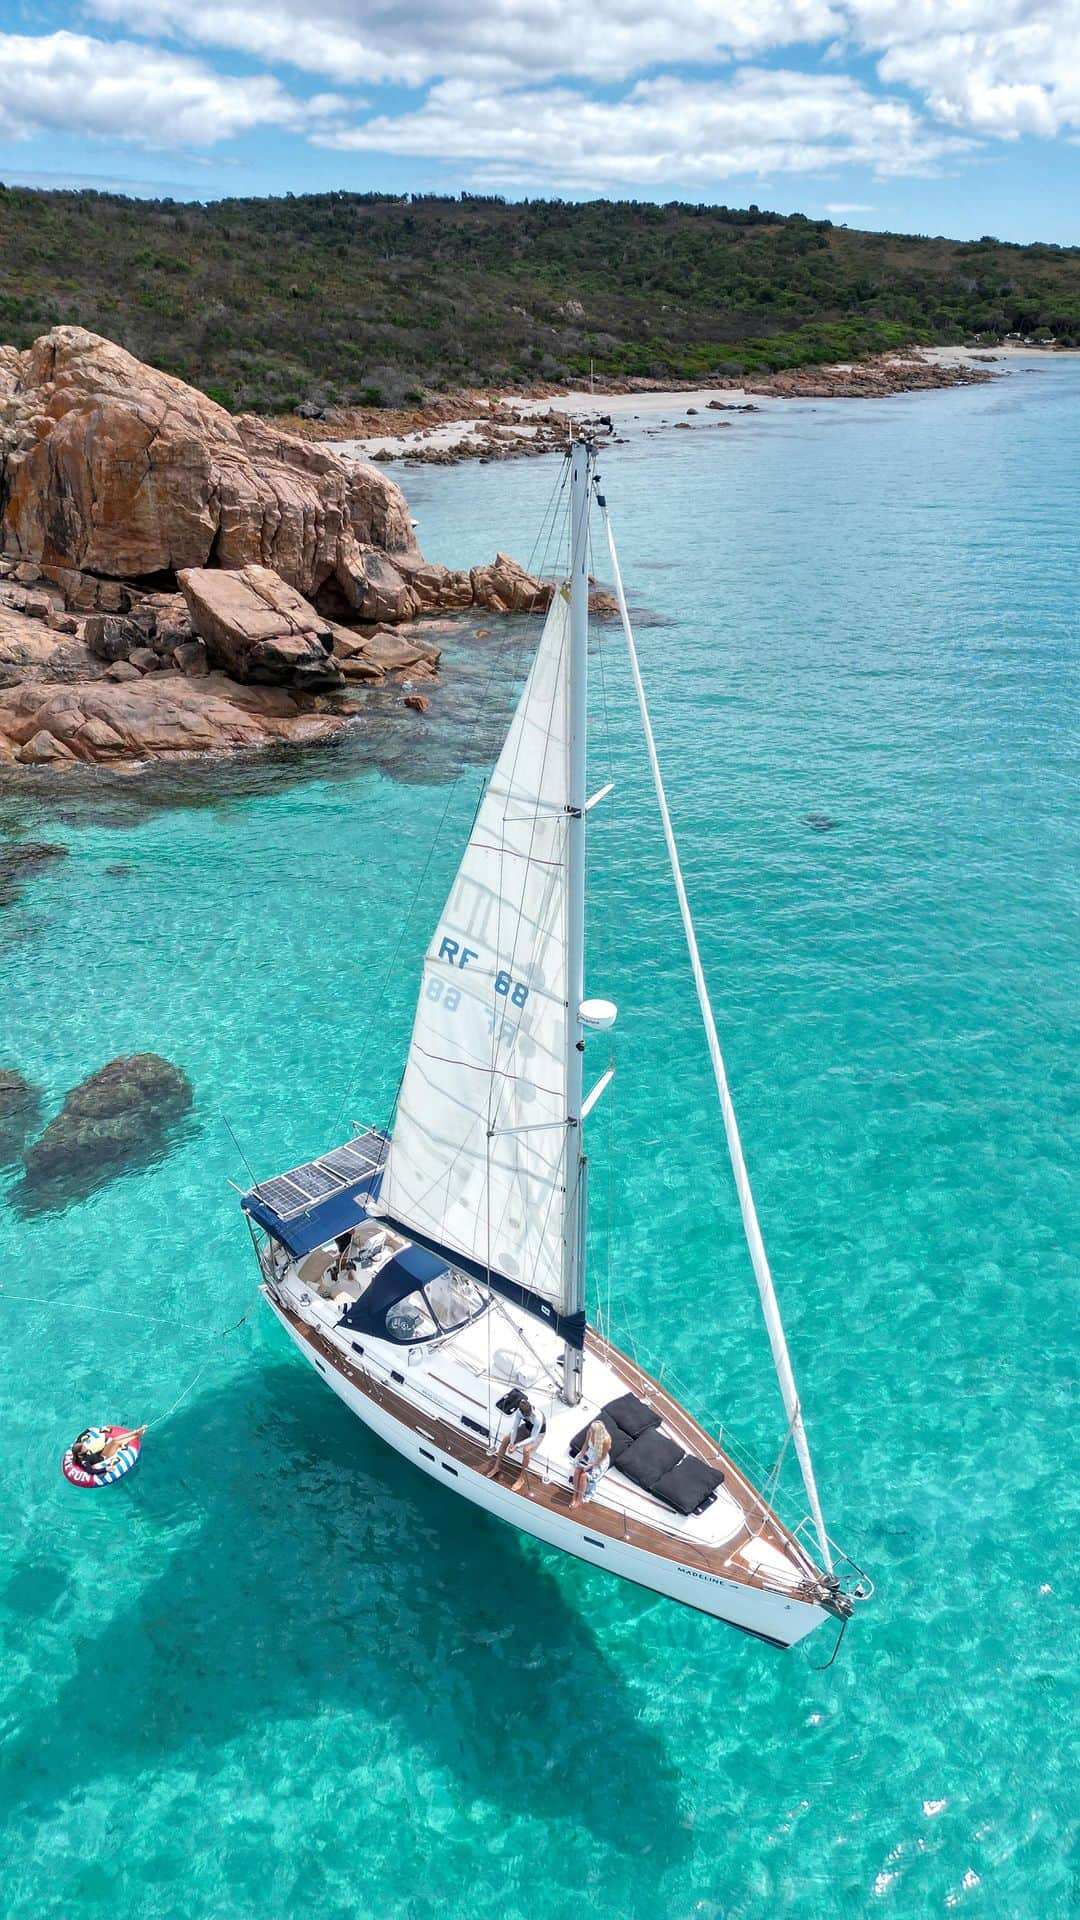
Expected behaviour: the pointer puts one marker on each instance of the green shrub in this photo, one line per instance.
(257, 301)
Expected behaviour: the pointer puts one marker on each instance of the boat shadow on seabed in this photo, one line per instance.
(312, 1572)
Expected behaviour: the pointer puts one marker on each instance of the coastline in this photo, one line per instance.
(226, 653)
(494, 424)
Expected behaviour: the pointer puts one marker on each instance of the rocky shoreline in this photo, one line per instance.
(174, 581)
(488, 425)
(177, 581)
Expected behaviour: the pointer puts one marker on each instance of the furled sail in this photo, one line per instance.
(478, 1161)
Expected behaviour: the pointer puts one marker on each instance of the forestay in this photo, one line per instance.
(477, 1163)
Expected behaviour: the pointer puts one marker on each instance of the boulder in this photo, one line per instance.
(504, 587)
(437, 589)
(394, 652)
(419, 702)
(146, 660)
(357, 667)
(156, 716)
(258, 629)
(26, 648)
(191, 657)
(377, 590)
(20, 1113)
(111, 637)
(114, 468)
(120, 1116)
(43, 749)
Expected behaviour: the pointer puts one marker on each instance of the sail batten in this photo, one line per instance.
(477, 1160)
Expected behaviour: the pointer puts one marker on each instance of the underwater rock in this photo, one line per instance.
(117, 1118)
(20, 1112)
(19, 859)
(820, 822)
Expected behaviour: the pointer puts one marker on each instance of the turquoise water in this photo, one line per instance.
(279, 1673)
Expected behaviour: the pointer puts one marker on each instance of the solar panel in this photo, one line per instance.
(355, 1159)
(314, 1180)
(288, 1194)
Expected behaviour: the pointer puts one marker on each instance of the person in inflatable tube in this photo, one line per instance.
(97, 1455)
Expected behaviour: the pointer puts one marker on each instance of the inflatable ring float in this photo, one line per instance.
(122, 1461)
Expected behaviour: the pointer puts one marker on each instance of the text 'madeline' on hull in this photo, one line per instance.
(434, 1271)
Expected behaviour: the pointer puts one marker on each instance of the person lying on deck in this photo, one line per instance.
(526, 1429)
(592, 1462)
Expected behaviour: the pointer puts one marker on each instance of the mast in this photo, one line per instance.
(574, 1196)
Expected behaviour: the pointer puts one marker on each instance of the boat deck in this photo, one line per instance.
(738, 1537)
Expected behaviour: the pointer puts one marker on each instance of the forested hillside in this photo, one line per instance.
(347, 298)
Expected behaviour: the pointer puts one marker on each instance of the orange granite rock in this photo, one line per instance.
(113, 468)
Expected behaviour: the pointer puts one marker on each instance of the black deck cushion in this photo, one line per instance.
(651, 1457)
(689, 1485)
(619, 1440)
(631, 1414)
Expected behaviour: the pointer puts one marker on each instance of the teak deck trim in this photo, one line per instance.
(596, 1519)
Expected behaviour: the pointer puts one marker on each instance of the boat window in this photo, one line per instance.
(449, 1301)
(410, 1320)
(453, 1299)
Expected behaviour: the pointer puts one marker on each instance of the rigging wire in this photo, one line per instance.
(758, 1258)
(8, 1298)
(221, 1334)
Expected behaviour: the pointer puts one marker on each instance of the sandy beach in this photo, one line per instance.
(504, 424)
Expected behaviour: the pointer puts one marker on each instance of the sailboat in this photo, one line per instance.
(433, 1270)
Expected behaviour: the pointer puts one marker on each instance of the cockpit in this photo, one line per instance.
(411, 1296)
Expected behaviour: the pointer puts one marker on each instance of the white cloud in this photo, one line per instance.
(1021, 80)
(514, 41)
(848, 206)
(508, 90)
(69, 83)
(663, 130)
(994, 67)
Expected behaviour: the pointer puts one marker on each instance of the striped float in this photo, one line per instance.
(124, 1461)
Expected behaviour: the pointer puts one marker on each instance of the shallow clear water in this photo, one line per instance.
(279, 1673)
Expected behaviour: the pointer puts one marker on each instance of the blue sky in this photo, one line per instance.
(959, 118)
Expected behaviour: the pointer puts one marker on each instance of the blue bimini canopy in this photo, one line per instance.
(409, 1269)
(315, 1203)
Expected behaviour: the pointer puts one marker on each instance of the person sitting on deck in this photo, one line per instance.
(592, 1462)
(526, 1429)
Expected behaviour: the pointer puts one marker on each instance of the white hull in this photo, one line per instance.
(776, 1617)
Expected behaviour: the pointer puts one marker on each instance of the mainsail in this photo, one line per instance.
(478, 1161)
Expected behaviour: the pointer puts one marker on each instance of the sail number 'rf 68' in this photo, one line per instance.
(459, 956)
